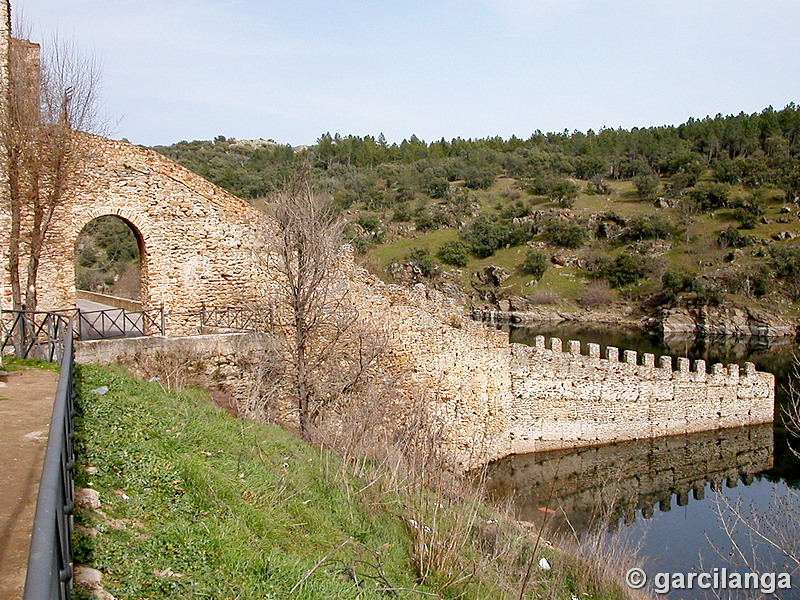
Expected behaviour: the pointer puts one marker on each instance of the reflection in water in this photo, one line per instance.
(615, 481)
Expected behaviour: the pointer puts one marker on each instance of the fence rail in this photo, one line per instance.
(50, 571)
(119, 322)
(35, 334)
(38, 334)
(226, 319)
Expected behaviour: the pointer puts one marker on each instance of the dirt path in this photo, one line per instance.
(25, 407)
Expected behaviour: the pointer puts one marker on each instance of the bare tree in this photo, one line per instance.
(328, 349)
(51, 97)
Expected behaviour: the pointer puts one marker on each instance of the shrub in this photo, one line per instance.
(646, 186)
(711, 196)
(785, 262)
(597, 293)
(514, 210)
(679, 182)
(623, 270)
(598, 185)
(648, 227)
(403, 212)
(543, 297)
(747, 220)
(370, 222)
(431, 218)
(677, 282)
(455, 253)
(479, 176)
(422, 259)
(535, 264)
(732, 238)
(563, 192)
(566, 234)
(484, 236)
(747, 212)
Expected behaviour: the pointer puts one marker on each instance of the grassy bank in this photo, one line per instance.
(198, 504)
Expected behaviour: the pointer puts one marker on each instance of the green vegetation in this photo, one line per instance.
(535, 264)
(669, 193)
(196, 503)
(455, 253)
(107, 258)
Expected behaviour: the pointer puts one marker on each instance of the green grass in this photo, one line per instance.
(398, 250)
(11, 363)
(239, 509)
(197, 504)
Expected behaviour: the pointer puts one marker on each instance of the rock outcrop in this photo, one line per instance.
(739, 321)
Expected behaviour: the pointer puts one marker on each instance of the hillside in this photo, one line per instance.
(705, 212)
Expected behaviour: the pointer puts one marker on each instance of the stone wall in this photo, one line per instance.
(564, 399)
(198, 243)
(491, 398)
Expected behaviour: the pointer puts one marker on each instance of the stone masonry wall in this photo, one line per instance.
(564, 399)
(197, 241)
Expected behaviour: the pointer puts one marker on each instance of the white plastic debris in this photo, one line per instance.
(544, 564)
(413, 523)
(103, 389)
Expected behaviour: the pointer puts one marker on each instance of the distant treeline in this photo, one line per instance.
(749, 150)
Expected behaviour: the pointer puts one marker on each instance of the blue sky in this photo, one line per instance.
(291, 70)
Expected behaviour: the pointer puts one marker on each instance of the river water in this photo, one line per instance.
(675, 498)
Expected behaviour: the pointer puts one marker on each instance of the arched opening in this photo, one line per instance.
(110, 260)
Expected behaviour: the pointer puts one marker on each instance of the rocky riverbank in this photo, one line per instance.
(695, 321)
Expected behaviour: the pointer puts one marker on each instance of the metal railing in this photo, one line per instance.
(119, 322)
(226, 319)
(35, 334)
(38, 334)
(246, 318)
(50, 569)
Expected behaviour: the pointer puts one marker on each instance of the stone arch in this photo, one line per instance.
(140, 226)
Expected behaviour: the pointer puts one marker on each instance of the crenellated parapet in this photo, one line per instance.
(567, 394)
(588, 356)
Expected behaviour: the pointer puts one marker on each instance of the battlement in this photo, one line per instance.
(644, 365)
(567, 395)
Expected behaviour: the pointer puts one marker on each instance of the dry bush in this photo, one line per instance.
(758, 536)
(173, 369)
(260, 377)
(543, 297)
(595, 295)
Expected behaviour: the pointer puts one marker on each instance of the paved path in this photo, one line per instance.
(26, 405)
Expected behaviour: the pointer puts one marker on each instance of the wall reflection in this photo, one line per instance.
(577, 487)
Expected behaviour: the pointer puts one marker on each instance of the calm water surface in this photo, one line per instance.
(666, 495)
